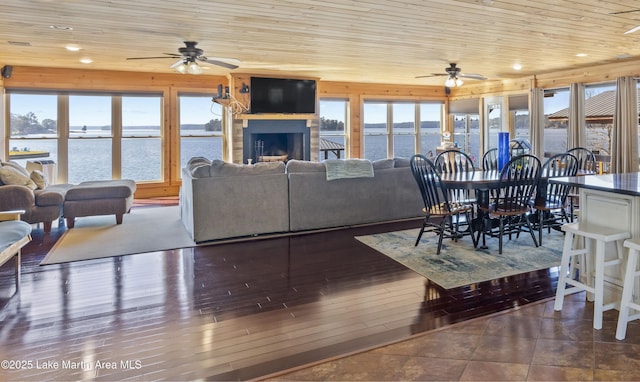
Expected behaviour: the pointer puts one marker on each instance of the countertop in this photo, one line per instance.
(627, 183)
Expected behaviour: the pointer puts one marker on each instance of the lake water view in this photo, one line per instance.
(141, 155)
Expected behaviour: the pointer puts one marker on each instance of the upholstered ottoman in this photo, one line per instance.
(100, 197)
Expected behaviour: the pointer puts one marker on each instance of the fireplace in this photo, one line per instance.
(271, 140)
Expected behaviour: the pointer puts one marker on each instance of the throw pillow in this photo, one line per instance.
(38, 178)
(16, 166)
(11, 176)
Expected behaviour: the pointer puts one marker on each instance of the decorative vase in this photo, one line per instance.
(503, 149)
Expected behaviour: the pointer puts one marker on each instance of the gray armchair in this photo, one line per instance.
(40, 205)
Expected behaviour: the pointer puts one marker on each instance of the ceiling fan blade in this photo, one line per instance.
(181, 61)
(472, 76)
(145, 58)
(168, 55)
(432, 75)
(218, 63)
(633, 30)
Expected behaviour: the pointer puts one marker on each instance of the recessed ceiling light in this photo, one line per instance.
(60, 28)
(86, 60)
(581, 55)
(72, 47)
(517, 67)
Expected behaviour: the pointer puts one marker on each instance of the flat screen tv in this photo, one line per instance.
(282, 95)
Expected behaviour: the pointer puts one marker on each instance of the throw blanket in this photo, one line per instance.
(348, 168)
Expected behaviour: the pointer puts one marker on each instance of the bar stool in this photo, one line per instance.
(627, 302)
(593, 280)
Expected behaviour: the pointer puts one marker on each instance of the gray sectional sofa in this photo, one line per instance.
(220, 200)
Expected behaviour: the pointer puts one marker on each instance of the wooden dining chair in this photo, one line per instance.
(441, 214)
(455, 161)
(490, 160)
(551, 198)
(510, 201)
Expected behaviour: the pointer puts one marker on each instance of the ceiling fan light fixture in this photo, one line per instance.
(194, 68)
(452, 82)
(181, 68)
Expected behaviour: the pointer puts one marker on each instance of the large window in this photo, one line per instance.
(98, 136)
(390, 129)
(142, 138)
(33, 127)
(376, 131)
(556, 112)
(333, 139)
(200, 128)
(404, 129)
(465, 114)
(430, 127)
(599, 124)
(90, 138)
(466, 135)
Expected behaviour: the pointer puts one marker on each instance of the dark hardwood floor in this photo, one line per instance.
(232, 311)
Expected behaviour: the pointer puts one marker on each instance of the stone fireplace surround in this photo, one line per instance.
(279, 137)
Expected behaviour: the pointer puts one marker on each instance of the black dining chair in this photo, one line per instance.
(456, 161)
(550, 202)
(587, 163)
(490, 160)
(510, 201)
(453, 160)
(437, 205)
(586, 158)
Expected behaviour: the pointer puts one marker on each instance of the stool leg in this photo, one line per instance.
(598, 302)
(588, 266)
(564, 270)
(627, 294)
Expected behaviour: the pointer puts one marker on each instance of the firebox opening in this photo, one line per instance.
(277, 146)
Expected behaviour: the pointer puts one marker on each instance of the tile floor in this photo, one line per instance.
(532, 343)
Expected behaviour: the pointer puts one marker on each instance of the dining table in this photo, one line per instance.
(483, 181)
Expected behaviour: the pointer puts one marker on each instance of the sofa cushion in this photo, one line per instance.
(52, 195)
(196, 162)
(402, 162)
(382, 164)
(219, 168)
(12, 176)
(101, 189)
(295, 165)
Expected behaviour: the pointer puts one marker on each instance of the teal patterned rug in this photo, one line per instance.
(460, 264)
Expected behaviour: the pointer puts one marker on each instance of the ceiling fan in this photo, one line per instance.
(454, 74)
(188, 57)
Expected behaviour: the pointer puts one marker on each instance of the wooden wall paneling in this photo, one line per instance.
(592, 74)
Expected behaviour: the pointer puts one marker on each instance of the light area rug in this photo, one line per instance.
(147, 229)
(459, 263)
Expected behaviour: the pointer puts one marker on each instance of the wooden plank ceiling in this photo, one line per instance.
(384, 41)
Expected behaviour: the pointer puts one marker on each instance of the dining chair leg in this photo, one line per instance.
(533, 236)
(540, 224)
(500, 233)
(469, 218)
(443, 224)
(424, 224)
